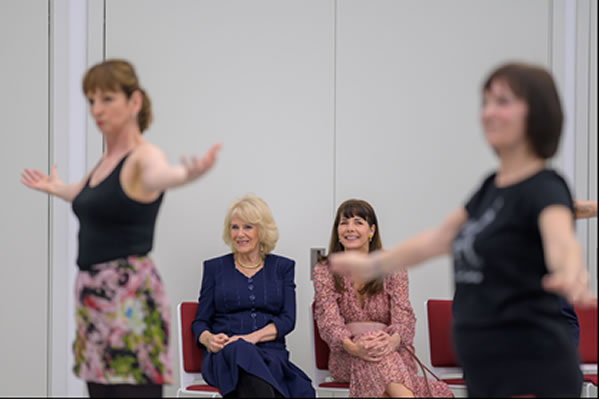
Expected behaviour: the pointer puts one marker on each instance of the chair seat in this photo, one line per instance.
(335, 385)
(454, 381)
(591, 378)
(202, 388)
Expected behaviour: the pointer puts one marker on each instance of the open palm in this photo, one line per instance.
(196, 167)
(37, 180)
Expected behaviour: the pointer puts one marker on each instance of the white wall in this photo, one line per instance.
(316, 101)
(408, 136)
(24, 237)
(258, 77)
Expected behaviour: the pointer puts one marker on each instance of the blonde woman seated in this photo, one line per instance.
(247, 306)
(369, 326)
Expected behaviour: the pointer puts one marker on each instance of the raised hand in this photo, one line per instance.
(37, 180)
(196, 167)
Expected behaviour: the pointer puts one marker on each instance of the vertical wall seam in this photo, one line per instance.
(103, 53)
(589, 185)
(104, 32)
(335, 55)
(550, 31)
(49, 219)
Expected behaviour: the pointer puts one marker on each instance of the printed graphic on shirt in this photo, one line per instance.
(468, 265)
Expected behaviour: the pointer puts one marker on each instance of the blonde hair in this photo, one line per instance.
(253, 210)
(118, 76)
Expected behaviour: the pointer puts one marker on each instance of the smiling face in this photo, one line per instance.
(112, 110)
(354, 233)
(244, 237)
(504, 118)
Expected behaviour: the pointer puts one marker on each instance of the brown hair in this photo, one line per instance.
(536, 87)
(356, 208)
(118, 75)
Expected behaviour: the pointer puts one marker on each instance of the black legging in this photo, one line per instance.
(147, 391)
(252, 387)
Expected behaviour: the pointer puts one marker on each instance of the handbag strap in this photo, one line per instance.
(423, 369)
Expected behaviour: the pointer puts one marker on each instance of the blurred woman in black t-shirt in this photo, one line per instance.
(514, 250)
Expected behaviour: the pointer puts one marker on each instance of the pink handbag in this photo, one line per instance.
(358, 328)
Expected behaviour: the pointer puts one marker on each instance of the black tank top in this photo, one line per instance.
(111, 224)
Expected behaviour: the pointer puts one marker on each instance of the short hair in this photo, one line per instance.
(536, 87)
(253, 210)
(118, 76)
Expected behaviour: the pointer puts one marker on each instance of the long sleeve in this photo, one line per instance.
(330, 322)
(206, 303)
(285, 321)
(402, 315)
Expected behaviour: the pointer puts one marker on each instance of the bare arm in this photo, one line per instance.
(423, 246)
(157, 175)
(52, 184)
(585, 208)
(415, 250)
(562, 252)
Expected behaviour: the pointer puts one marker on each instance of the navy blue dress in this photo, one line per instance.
(234, 304)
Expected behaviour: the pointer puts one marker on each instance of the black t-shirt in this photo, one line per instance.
(499, 264)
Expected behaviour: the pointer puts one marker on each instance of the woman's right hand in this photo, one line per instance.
(215, 343)
(37, 180)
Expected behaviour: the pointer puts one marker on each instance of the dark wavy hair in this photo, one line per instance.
(356, 208)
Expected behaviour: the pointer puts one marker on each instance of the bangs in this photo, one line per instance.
(353, 209)
(247, 213)
(100, 77)
(511, 76)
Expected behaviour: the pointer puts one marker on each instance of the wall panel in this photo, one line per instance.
(24, 213)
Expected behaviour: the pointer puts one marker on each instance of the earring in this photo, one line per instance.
(370, 237)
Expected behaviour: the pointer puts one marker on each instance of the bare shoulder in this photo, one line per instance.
(147, 151)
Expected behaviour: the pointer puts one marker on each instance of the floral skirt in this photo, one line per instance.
(122, 320)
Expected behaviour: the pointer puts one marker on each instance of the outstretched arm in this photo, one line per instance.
(568, 276)
(157, 175)
(415, 250)
(52, 184)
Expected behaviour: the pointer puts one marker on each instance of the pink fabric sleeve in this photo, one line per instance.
(329, 320)
(402, 314)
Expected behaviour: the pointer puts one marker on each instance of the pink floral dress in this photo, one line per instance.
(333, 310)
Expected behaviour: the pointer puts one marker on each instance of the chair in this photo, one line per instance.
(440, 350)
(322, 377)
(190, 355)
(588, 346)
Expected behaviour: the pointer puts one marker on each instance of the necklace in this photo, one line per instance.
(250, 266)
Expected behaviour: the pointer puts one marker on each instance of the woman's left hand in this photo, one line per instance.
(382, 344)
(196, 167)
(250, 338)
